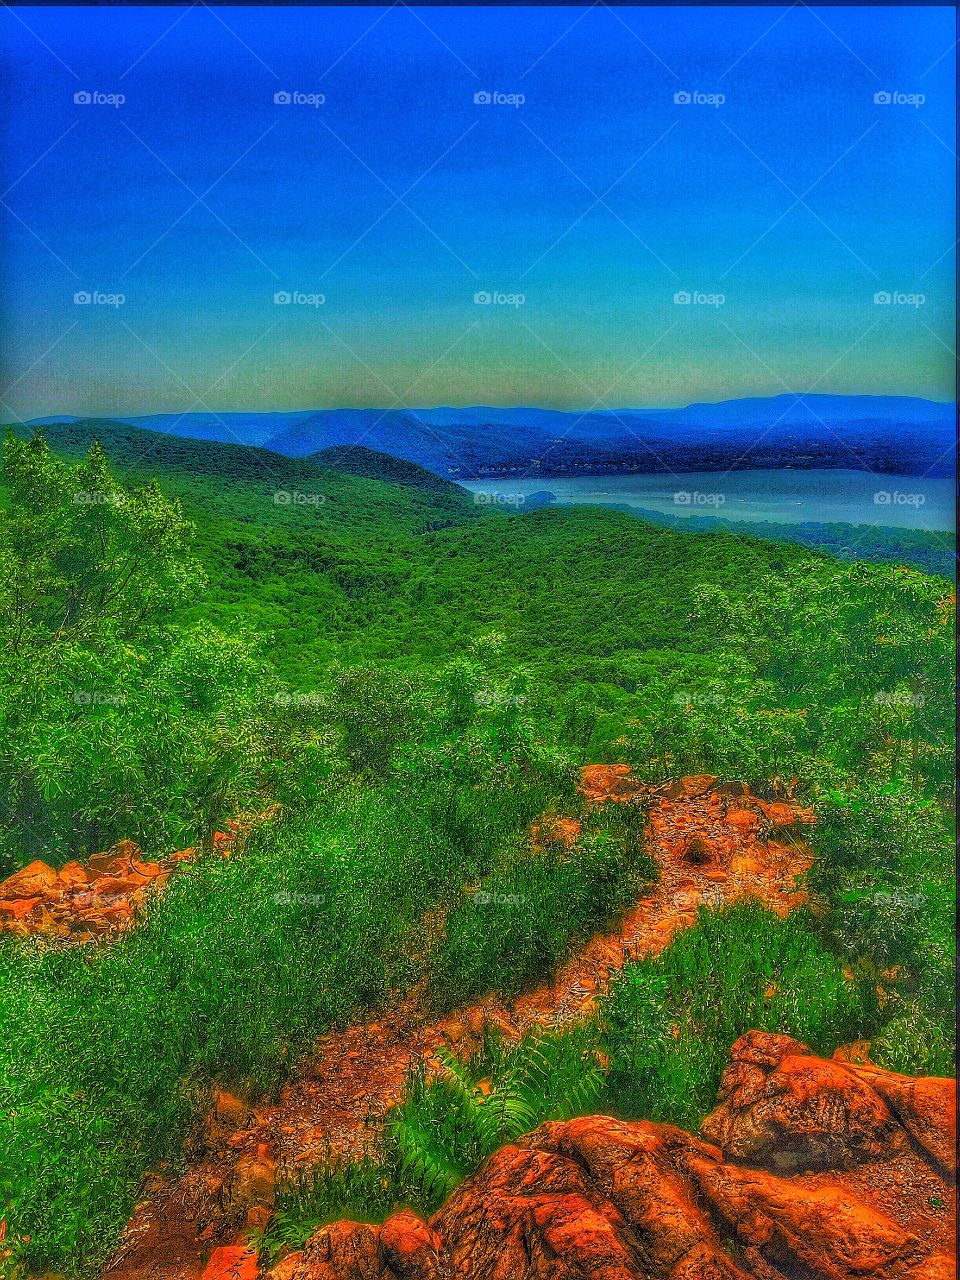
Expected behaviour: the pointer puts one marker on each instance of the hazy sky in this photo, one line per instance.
(781, 198)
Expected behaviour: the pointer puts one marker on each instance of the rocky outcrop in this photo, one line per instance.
(743, 811)
(602, 782)
(781, 1105)
(808, 1167)
(96, 899)
(403, 1247)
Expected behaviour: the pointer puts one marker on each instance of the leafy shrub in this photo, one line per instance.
(884, 872)
(883, 868)
(525, 917)
(361, 1191)
(448, 1123)
(670, 1020)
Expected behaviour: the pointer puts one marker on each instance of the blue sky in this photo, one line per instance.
(782, 199)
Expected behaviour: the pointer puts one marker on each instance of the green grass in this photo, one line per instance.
(672, 1019)
(360, 1191)
(655, 1051)
(423, 678)
(528, 914)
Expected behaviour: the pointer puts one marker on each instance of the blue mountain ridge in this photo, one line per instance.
(893, 434)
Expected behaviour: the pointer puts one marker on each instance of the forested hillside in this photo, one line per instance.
(405, 682)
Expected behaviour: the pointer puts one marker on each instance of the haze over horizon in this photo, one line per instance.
(687, 206)
(371, 407)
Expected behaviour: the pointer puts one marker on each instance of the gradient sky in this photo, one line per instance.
(400, 198)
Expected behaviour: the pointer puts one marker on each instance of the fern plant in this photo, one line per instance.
(463, 1111)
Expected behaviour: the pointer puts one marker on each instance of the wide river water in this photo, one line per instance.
(784, 496)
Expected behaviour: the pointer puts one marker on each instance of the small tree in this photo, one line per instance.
(114, 721)
(84, 560)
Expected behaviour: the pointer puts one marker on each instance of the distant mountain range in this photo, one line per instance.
(894, 434)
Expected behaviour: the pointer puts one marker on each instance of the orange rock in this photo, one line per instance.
(252, 1180)
(228, 1114)
(404, 1248)
(825, 1231)
(232, 1262)
(779, 1104)
(35, 879)
(588, 1198)
(73, 875)
(18, 908)
(611, 1200)
(697, 784)
(779, 815)
(149, 869)
(857, 1052)
(743, 864)
(731, 789)
(608, 782)
(926, 1106)
(116, 859)
(742, 820)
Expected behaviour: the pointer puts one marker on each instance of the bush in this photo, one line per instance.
(884, 868)
(360, 1191)
(524, 918)
(447, 1124)
(915, 1044)
(670, 1020)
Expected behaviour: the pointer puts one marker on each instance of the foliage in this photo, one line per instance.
(361, 1191)
(524, 917)
(450, 1121)
(885, 879)
(671, 1019)
(83, 558)
(414, 680)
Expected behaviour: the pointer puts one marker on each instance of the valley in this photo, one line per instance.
(478, 768)
(305, 868)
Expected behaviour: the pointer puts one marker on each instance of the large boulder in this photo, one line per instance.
(403, 1248)
(780, 1106)
(35, 880)
(856, 1191)
(926, 1106)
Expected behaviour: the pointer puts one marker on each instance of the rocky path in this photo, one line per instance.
(808, 1168)
(713, 842)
